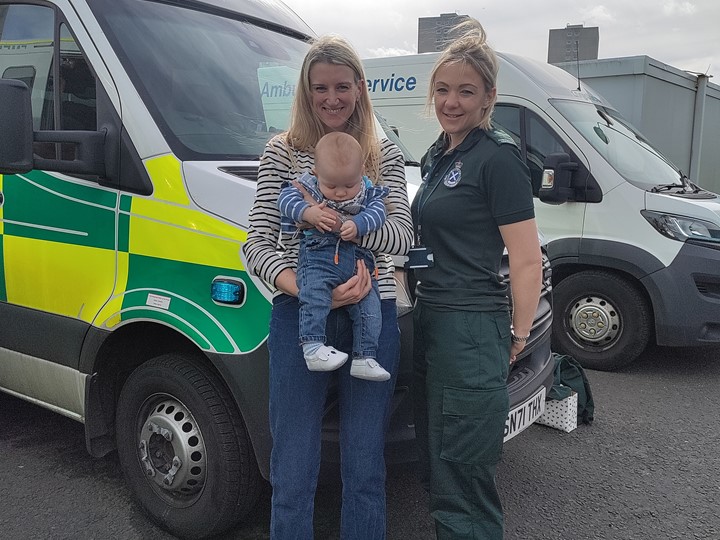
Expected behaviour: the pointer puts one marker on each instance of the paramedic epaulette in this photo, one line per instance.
(500, 137)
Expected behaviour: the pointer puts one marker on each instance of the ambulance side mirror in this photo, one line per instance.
(557, 179)
(16, 128)
(17, 137)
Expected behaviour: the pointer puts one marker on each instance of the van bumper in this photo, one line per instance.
(686, 297)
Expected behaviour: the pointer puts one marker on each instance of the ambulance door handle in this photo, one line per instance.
(1, 198)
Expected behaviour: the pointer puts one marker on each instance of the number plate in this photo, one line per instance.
(522, 416)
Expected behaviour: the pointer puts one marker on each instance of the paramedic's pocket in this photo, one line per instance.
(473, 424)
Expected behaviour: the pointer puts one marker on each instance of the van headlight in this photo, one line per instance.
(682, 227)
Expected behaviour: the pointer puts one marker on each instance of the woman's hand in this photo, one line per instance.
(338, 222)
(515, 349)
(354, 289)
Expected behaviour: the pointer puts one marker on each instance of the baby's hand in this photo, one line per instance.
(317, 216)
(348, 230)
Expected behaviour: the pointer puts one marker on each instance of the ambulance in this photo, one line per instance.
(130, 134)
(634, 245)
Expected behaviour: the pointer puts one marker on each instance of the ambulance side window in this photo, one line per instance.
(513, 120)
(26, 53)
(541, 141)
(62, 87)
(508, 119)
(78, 109)
(534, 138)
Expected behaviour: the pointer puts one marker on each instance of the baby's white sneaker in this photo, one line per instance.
(325, 359)
(368, 369)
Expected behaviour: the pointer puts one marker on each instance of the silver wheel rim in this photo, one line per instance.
(595, 320)
(172, 450)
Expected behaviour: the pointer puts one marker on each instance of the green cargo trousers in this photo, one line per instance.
(461, 363)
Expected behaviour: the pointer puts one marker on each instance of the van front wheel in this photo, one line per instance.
(183, 448)
(600, 319)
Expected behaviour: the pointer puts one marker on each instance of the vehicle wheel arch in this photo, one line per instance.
(109, 358)
(562, 270)
(625, 279)
(201, 398)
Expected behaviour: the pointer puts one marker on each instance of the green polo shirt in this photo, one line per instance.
(465, 196)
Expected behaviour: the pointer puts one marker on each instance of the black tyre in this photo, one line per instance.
(183, 448)
(601, 319)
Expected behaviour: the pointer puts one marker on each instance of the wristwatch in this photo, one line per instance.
(518, 339)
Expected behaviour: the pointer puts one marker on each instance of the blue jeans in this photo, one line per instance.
(297, 405)
(318, 273)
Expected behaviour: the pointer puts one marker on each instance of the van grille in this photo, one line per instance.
(707, 285)
(246, 172)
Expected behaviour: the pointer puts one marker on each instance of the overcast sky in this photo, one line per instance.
(682, 33)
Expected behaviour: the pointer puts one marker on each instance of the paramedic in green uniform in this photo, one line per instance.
(475, 200)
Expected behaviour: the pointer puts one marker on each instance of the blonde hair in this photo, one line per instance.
(306, 129)
(470, 48)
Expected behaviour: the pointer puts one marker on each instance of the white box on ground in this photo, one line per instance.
(560, 414)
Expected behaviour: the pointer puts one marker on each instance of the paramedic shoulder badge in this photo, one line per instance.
(452, 178)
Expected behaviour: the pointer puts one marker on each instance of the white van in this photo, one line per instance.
(130, 133)
(634, 246)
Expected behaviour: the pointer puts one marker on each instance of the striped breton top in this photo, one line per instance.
(268, 251)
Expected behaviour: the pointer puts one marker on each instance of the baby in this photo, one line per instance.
(328, 258)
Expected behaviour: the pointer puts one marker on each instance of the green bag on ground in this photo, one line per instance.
(570, 377)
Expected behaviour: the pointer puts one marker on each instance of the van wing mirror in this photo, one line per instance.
(557, 179)
(89, 152)
(16, 128)
(17, 137)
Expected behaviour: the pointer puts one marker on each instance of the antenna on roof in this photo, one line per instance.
(577, 62)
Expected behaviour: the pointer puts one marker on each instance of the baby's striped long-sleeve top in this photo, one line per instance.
(366, 209)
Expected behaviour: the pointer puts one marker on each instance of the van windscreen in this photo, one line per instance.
(218, 86)
(622, 146)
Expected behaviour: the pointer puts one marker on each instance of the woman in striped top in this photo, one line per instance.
(331, 96)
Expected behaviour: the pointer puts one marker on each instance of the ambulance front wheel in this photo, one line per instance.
(183, 448)
(601, 319)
